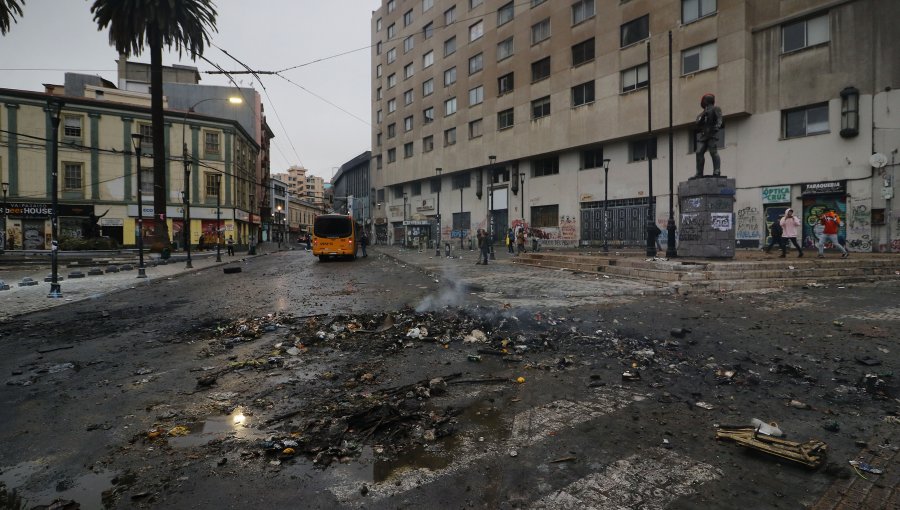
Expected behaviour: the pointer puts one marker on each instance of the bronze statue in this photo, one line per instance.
(709, 122)
(90, 226)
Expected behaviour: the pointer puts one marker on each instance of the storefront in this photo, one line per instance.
(775, 200)
(819, 197)
(418, 232)
(28, 225)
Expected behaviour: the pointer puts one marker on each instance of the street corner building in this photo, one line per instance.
(514, 108)
(214, 156)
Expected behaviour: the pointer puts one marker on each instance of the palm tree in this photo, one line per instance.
(184, 24)
(8, 11)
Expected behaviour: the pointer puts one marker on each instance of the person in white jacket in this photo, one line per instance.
(790, 224)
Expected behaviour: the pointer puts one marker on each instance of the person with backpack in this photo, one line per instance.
(831, 223)
(775, 232)
(790, 226)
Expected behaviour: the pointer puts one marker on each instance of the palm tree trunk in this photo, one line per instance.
(161, 229)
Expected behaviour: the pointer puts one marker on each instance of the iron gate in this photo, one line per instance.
(627, 222)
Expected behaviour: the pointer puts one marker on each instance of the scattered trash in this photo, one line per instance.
(520, 380)
(705, 405)
(868, 361)
(474, 357)
(180, 430)
(769, 429)
(838, 323)
(631, 375)
(812, 453)
(475, 336)
(796, 404)
(864, 466)
(892, 419)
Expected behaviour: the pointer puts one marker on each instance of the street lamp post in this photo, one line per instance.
(405, 228)
(55, 106)
(218, 217)
(136, 139)
(490, 190)
(461, 217)
(278, 221)
(605, 204)
(5, 218)
(437, 237)
(522, 197)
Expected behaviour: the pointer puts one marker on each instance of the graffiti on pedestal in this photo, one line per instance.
(720, 221)
(691, 226)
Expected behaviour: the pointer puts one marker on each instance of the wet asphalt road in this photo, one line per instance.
(573, 435)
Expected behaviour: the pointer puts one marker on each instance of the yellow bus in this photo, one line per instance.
(334, 235)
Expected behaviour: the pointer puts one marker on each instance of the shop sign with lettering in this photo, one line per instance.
(825, 188)
(776, 195)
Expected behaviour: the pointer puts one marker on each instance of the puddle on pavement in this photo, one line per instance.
(87, 489)
(214, 427)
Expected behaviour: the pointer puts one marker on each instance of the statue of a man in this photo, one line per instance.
(709, 122)
(90, 225)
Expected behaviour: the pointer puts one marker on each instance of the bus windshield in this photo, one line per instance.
(333, 226)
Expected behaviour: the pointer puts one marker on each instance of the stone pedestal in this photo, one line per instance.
(706, 229)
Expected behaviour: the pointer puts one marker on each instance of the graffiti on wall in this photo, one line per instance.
(565, 234)
(691, 226)
(815, 206)
(748, 224)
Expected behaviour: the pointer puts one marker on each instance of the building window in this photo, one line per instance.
(809, 120)
(378, 93)
(378, 70)
(461, 180)
(450, 106)
(692, 141)
(408, 97)
(450, 46)
(582, 10)
(392, 130)
(505, 119)
(476, 63)
(72, 126)
(428, 115)
(408, 150)
(450, 76)
(428, 87)
(392, 105)
(378, 48)
(505, 84)
(408, 44)
(392, 155)
(428, 30)
(535, 3)
(540, 107)
(392, 31)
(640, 150)
(378, 139)
(476, 95)
(392, 80)
(475, 3)
(415, 188)
(378, 25)
(408, 71)
(699, 58)
(450, 137)
(505, 48)
(427, 4)
(476, 128)
(428, 59)
(398, 191)
(540, 69)
(450, 16)
(635, 30)
(583, 94)
(391, 5)
(391, 55)
(540, 31)
(408, 123)
(592, 158)
(428, 144)
(545, 166)
(379, 116)
(379, 163)
(462, 220)
(213, 181)
(583, 52)
(72, 177)
(436, 184)
(635, 78)
(476, 31)
(692, 10)
(545, 216)
(211, 143)
(146, 131)
(506, 13)
(806, 33)
(407, 18)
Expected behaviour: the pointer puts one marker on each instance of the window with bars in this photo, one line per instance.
(73, 177)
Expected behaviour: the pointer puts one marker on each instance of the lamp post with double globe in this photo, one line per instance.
(136, 139)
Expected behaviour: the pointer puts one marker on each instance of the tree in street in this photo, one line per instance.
(184, 24)
(9, 9)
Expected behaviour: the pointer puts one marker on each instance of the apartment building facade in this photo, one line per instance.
(520, 103)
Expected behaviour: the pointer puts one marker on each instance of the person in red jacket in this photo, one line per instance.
(831, 223)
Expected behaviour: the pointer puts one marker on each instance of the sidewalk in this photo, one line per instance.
(20, 300)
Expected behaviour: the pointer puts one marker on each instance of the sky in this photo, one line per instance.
(58, 36)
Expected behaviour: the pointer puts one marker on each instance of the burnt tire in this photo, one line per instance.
(231, 270)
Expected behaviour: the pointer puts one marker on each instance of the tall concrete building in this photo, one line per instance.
(295, 178)
(520, 104)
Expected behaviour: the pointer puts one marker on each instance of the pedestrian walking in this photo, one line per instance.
(363, 242)
(656, 232)
(201, 245)
(520, 241)
(830, 222)
(510, 242)
(308, 242)
(790, 226)
(775, 232)
(230, 245)
(484, 247)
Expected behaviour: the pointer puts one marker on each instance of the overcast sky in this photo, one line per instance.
(55, 36)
